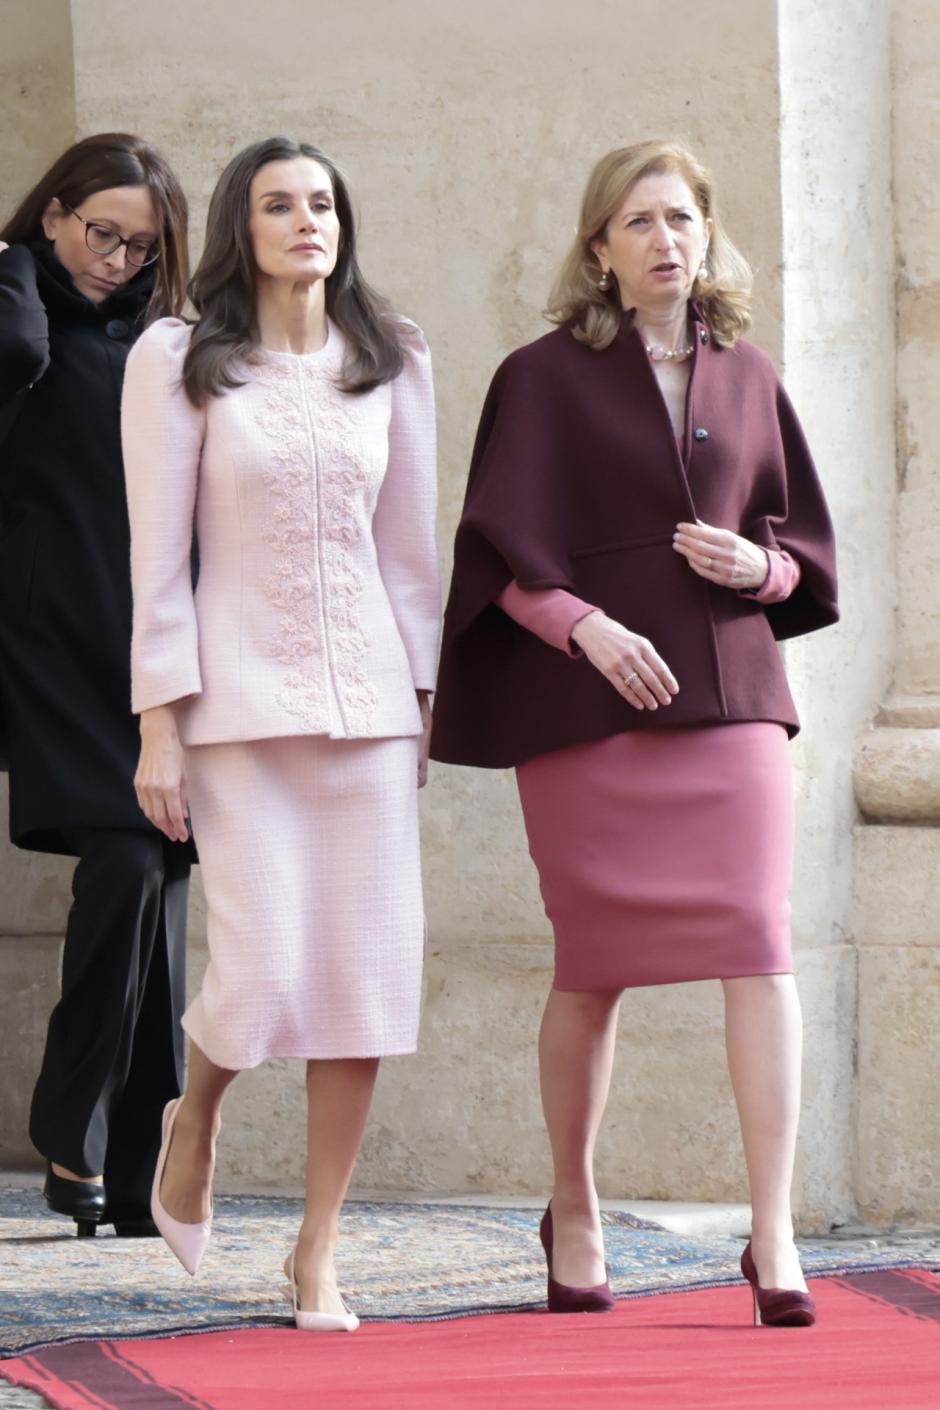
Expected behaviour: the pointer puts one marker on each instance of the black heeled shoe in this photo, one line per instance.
(562, 1298)
(777, 1307)
(81, 1200)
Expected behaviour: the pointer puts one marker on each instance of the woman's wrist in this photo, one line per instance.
(760, 575)
(157, 720)
(577, 630)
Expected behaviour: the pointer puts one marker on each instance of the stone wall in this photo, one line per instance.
(37, 92)
(467, 137)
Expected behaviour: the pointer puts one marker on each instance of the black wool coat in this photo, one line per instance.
(576, 482)
(65, 597)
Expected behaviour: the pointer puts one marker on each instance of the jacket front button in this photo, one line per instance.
(117, 328)
(700, 433)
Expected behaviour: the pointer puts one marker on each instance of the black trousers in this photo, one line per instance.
(114, 1049)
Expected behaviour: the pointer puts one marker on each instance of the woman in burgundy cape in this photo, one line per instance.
(643, 523)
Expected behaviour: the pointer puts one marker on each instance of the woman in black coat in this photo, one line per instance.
(96, 250)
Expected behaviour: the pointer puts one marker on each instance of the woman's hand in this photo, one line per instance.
(424, 743)
(721, 556)
(630, 662)
(160, 780)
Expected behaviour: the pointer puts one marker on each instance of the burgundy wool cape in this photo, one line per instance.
(577, 482)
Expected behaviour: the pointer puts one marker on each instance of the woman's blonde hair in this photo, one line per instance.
(593, 313)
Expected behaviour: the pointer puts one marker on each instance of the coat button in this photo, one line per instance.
(117, 328)
(700, 433)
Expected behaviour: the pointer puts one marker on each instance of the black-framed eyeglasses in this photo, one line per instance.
(102, 240)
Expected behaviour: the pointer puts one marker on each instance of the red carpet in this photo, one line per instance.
(877, 1345)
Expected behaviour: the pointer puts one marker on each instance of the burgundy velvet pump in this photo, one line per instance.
(565, 1299)
(777, 1307)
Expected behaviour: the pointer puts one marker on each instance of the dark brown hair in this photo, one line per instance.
(98, 164)
(224, 286)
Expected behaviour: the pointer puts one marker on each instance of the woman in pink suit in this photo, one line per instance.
(284, 703)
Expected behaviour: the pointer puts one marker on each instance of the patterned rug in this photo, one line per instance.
(398, 1262)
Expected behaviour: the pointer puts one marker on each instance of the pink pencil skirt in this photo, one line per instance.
(312, 873)
(664, 855)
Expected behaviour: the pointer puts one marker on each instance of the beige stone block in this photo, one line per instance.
(35, 888)
(916, 53)
(918, 586)
(823, 1191)
(896, 893)
(35, 891)
(37, 94)
(904, 711)
(29, 987)
(897, 774)
(916, 123)
(899, 1082)
(478, 876)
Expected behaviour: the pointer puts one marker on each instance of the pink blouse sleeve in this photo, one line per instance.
(783, 575)
(551, 613)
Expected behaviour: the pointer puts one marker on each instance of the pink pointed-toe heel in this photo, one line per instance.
(315, 1321)
(777, 1307)
(562, 1298)
(187, 1241)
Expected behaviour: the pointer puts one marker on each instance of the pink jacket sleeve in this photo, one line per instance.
(162, 437)
(783, 576)
(551, 613)
(404, 520)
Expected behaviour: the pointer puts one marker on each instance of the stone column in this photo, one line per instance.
(897, 772)
(839, 368)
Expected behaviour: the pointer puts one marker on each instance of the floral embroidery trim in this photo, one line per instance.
(319, 488)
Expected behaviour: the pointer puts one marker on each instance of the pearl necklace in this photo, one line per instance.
(657, 353)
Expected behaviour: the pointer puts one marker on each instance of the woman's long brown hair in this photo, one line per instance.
(223, 289)
(99, 163)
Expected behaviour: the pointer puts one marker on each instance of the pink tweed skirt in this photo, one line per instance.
(312, 874)
(664, 855)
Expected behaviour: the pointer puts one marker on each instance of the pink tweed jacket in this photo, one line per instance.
(318, 602)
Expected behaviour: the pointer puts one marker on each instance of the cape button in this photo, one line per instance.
(700, 433)
(117, 328)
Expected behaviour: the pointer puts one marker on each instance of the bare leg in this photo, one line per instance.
(576, 1053)
(764, 1036)
(186, 1191)
(339, 1093)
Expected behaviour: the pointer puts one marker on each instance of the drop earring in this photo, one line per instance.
(604, 281)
